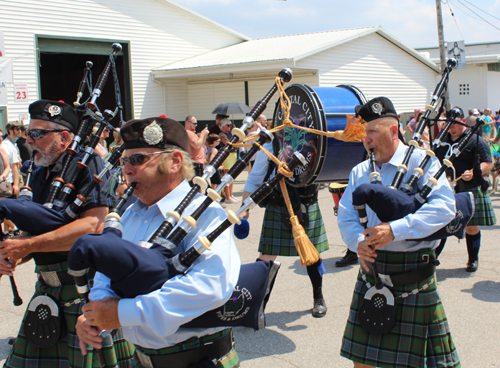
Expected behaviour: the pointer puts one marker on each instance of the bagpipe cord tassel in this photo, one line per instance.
(473, 245)
(307, 252)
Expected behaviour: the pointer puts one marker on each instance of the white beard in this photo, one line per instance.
(49, 157)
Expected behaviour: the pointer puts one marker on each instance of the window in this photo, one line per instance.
(463, 89)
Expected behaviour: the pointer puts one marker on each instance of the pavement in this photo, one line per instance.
(293, 338)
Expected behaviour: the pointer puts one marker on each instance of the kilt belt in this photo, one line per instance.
(56, 279)
(411, 277)
(188, 358)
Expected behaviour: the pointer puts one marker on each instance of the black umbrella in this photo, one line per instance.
(230, 108)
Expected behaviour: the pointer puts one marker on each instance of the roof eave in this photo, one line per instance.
(222, 68)
(480, 59)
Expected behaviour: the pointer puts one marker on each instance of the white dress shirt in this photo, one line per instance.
(438, 211)
(153, 320)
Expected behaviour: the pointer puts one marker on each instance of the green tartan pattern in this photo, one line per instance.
(484, 214)
(276, 239)
(230, 360)
(66, 353)
(421, 336)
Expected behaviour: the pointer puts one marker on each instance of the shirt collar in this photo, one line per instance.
(167, 203)
(398, 156)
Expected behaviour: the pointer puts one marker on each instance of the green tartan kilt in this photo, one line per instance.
(277, 239)
(66, 353)
(230, 360)
(484, 215)
(421, 336)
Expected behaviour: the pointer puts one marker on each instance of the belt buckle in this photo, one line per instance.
(425, 258)
(145, 360)
(51, 278)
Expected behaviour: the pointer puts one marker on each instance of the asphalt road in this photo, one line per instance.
(293, 338)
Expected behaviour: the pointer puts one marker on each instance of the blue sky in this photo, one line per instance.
(411, 21)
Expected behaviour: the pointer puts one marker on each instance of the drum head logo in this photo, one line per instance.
(291, 140)
(237, 307)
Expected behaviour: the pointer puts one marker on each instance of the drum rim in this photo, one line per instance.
(322, 144)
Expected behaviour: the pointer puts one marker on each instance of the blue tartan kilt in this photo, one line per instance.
(484, 214)
(421, 336)
(277, 239)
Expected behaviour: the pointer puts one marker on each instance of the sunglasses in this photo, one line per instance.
(139, 158)
(40, 133)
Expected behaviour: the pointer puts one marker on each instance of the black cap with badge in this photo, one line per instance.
(55, 111)
(378, 107)
(154, 132)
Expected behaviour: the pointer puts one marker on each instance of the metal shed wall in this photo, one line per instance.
(378, 68)
(158, 31)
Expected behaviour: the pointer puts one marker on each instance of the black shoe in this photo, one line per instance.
(472, 266)
(319, 309)
(350, 258)
(437, 263)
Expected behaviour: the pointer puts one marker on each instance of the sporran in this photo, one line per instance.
(44, 325)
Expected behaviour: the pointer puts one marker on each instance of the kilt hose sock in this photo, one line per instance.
(473, 245)
(316, 278)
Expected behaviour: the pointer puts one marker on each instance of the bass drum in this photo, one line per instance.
(325, 109)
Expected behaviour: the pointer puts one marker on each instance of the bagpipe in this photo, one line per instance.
(200, 184)
(56, 212)
(135, 270)
(397, 201)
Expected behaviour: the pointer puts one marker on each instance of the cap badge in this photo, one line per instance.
(153, 133)
(377, 108)
(54, 110)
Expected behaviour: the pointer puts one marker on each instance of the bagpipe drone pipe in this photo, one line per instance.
(174, 216)
(23, 211)
(55, 212)
(134, 270)
(90, 116)
(390, 204)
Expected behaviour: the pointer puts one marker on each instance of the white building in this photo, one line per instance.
(369, 58)
(52, 34)
(478, 85)
(176, 62)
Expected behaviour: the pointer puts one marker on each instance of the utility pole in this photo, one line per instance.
(442, 48)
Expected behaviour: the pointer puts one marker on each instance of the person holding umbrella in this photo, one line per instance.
(215, 129)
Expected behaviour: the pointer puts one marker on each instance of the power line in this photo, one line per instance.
(455, 20)
(472, 11)
(485, 12)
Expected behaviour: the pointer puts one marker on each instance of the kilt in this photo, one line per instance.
(230, 360)
(421, 336)
(276, 239)
(484, 214)
(66, 353)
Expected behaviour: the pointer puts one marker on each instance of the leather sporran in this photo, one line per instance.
(378, 312)
(44, 325)
(5, 189)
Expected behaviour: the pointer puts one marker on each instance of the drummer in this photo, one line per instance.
(276, 236)
(427, 341)
(156, 159)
